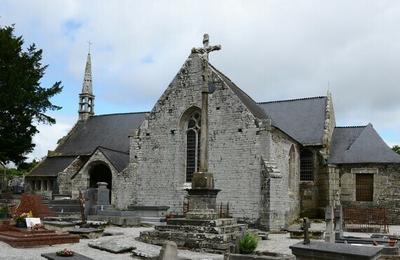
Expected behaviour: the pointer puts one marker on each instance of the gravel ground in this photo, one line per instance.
(278, 243)
(9, 253)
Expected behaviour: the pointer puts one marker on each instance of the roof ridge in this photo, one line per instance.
(247, 100)
(231, 81)
(126, 113)
(288, 100)
(357, 138)
(352, 126)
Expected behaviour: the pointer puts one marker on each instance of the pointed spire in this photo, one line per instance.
(87, 80)
(86, 97)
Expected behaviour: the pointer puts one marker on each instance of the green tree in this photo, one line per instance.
(23, 102)
(396, 148)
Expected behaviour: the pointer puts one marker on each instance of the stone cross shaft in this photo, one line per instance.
(204, 101)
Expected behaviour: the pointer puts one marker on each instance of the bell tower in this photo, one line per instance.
(86, 97)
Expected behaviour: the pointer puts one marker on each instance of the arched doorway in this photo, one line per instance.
(100, 173)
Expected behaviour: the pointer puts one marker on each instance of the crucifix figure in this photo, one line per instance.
(204, 51)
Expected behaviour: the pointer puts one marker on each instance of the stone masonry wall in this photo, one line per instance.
(64, 177)
(285, 197)
(386, 187)
(123, 192)
(160, 146)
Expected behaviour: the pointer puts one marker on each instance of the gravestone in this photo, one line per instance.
(97, 199)
(169, 251)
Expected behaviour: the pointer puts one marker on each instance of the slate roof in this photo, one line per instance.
(51, 166)
(118, 159)
(360, 144)
(110, 131)
(246, 99)
(302, 119)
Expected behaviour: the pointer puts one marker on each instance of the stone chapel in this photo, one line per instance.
(273, 161)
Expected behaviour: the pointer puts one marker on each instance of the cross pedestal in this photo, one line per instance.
(202, 204)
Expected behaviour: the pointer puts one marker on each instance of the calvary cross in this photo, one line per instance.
(206, 48)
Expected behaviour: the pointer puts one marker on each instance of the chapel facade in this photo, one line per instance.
(273, 161)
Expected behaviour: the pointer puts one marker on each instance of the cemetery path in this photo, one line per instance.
(278, 243)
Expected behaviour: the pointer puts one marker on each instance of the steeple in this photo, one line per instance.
(86, 97)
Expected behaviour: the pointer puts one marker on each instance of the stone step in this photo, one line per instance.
(115, 212)
(64, 208)
(63, 202)
(188, 236)
(214, 243)
(62, 219)
(68, 214)
(154, 221)
(200, 229)
(197, 222)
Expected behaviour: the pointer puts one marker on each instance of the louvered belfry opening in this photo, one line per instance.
(192, 145)
(306, 165)
(364, 187)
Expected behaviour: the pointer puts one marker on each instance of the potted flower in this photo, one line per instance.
(65, 252)
(20, 219)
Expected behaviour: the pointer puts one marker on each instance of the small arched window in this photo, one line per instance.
(192, 145)
(306, 165)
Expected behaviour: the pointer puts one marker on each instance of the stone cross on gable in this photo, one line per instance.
(206, 47)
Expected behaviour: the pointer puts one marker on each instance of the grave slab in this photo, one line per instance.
(112, 246)
(76, 256)
(88, 233)
(321, 250)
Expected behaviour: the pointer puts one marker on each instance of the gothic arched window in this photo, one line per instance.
(306, 165)
(192, 145)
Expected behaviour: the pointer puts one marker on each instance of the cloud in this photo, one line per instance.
(271, 49)
(48, 136)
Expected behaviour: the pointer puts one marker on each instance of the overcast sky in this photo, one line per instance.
(271, 49)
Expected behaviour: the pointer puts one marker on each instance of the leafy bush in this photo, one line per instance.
(248, 243)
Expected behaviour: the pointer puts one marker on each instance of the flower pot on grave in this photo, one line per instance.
(20, 224)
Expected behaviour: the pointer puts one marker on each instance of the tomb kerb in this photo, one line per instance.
(203, 195)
